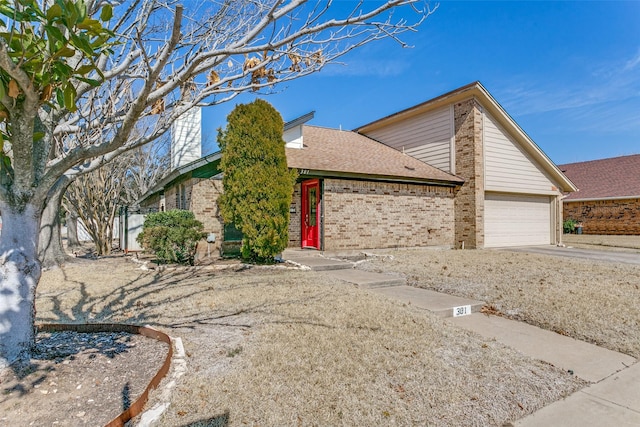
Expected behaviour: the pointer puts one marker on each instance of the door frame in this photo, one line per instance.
(305, 185)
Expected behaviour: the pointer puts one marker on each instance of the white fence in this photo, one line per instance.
(130, 225)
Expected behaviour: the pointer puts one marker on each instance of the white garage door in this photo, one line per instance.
(516, 220)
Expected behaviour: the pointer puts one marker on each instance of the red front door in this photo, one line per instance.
(311, 214)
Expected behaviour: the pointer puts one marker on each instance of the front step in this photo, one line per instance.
(318, 263)
(441, 304)
(367, 279)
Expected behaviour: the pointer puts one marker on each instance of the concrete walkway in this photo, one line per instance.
(443, 305)
(367, 279)
(612, 399)
(587, 361)
(342, 270)
(318, 263)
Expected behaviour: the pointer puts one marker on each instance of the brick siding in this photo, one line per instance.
(365, 214)
(202, 200)
(469, 201)
(606, 216)
(295, 218)
(170, 197)
(152, 203)
(201, 196)
(359, 214)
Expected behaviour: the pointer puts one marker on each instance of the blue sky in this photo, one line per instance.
(567, 72)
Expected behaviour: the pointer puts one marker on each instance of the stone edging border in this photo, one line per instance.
(136, 407)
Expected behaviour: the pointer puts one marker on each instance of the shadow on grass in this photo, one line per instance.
(128, 300)
(138, 300)
(169, 299)
(217, 421)
(221, 420)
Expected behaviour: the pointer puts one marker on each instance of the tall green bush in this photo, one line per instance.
(172, 236)
(258, 185)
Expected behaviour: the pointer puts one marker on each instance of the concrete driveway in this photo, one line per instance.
(589, 254)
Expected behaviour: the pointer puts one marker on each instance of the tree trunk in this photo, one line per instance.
(19, 275)
(72, 229)
(50, 251)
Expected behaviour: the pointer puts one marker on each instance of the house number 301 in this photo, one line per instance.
(463, 310)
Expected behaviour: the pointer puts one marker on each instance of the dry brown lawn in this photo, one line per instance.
(269, 346)
(593, 301)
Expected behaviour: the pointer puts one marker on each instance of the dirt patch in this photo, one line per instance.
(79, 379)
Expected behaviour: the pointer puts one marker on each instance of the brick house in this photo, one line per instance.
(608, 201)
(455, 171)
(356, 193)
(512, 192)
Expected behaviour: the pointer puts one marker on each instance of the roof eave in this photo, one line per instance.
(177, 173)
(299, 120)
(384, 178)
(595, 199)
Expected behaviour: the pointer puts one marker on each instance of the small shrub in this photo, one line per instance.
(172, 236)
(569, 225)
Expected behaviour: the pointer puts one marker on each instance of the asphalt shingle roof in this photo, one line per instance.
(613, 177)
(333, 150)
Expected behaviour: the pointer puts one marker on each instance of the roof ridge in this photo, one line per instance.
(330, 128)
(599, 160)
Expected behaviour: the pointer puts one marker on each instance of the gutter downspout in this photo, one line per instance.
(560, 219)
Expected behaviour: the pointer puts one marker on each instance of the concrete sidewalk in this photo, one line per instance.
(318, 263)
(612, 399)
(587, 361)
(441, 304)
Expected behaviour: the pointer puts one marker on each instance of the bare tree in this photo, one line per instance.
(95, 197)
(71, 99)
(146, 166)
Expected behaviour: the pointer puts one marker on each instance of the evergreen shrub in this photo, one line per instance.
(172, 236)
(258, 185)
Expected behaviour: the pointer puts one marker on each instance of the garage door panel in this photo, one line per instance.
(517, 220)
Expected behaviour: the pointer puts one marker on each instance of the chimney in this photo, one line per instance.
(186, 138)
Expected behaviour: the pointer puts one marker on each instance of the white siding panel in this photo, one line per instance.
(438, 155)
(516, 220)
(426, 137)
(507, 166)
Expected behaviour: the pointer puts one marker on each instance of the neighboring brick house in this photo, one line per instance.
(455, 171)
(608, 200)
